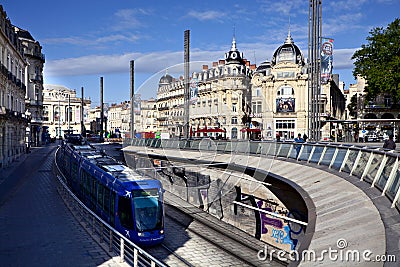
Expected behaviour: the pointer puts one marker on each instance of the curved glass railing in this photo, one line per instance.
(375, 166)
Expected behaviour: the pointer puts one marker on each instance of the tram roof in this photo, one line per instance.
(108, 164)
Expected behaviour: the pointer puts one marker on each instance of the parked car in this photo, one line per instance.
(371, 137)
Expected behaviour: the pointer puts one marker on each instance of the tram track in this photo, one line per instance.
(185, 226)
(169, 256)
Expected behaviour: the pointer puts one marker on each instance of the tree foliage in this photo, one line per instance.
(352, 106)
(379, 62)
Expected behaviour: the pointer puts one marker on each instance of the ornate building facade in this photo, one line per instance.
(280, 97)
(148, 118)
(115, 117)
(221, 107)
(62, 110)
(170, 105)
(34, 81)
(219, 101)
(13, 120)
(377, 118)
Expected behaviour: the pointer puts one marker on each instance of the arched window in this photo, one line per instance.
(68, 111)
(56, 114)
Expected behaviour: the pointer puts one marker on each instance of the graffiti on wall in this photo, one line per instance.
(281, 232)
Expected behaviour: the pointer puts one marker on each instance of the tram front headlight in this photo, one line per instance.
(140, 234)
(161, 231)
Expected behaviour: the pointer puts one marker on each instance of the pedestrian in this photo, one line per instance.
(305, 137)
(278, 137)
(389, 143)
(300, 140)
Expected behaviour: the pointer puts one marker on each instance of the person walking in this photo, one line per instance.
(298, 139)
(389, 143)
(305, 137)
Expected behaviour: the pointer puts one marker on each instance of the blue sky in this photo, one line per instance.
(85, 40)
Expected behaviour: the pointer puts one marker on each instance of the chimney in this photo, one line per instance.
(205, 67)
(247, 63)
(215, 64)
(253, 66)
(221, 62)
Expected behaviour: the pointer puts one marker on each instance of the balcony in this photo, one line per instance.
(35, 78)
(11, 115)
(163, 108)
(37, 55)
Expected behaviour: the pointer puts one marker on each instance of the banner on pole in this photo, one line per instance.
(326, 59)
(194, 91)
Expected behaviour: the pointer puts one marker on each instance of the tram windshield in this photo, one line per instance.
(148, 210)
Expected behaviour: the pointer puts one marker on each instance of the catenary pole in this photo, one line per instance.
(101, 110)
(187, 82)
(132, 97)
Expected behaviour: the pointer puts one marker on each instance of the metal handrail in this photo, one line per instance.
(379, 167)
(126, 249)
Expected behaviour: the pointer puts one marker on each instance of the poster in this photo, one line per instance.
(326, 60)
(194, 91)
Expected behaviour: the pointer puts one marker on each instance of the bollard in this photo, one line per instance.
(122, 250)
(135, 257)
(111, 241)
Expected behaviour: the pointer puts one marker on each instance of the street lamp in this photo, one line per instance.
(59, 114)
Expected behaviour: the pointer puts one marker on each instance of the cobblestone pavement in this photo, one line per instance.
(36, 228)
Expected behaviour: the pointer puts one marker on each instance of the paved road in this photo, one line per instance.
(36, 228)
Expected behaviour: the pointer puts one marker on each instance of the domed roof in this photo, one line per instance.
(166, 79)
(234, 56)
(288, 52)
(264, 67)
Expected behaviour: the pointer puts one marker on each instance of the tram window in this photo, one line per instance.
(74, 171)
(87, 185)
(93, 192)
(100, 194)
(125, 212)
(83, 182)
(106, 200)
(112, 208)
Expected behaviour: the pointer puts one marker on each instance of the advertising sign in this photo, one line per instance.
(285, 104)
(326, 59)
(194, 91)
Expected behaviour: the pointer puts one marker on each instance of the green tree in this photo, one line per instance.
(352, 106)
(379, 62)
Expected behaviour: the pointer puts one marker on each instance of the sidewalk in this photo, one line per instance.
(36, 228)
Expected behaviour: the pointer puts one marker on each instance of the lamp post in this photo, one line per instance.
(59, 115)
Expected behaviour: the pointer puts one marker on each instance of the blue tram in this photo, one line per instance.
(131, 203)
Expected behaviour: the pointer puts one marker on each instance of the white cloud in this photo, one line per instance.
(129, 18)
(342, 58)
(103, 64)
(91, 41)
(206, 15)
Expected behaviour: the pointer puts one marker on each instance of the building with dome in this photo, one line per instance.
(170, 105)
(222, 106)
(220, 99)
(280, 97)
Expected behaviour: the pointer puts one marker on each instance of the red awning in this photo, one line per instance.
(210, 130)
(250, 130)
